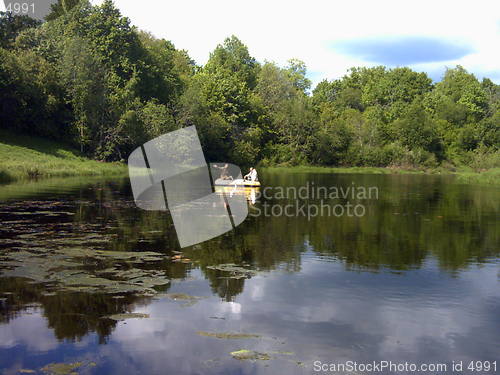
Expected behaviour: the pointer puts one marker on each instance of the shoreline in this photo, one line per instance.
(91, 168)
(29, 158)
(86, 168)
(462, 174)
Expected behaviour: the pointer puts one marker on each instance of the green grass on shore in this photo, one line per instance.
(489, 177)
(26, 157)
(462, 174)
(314, 169)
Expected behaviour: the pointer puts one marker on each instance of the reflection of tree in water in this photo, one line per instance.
(252, 246)
(70, 315)
(16, 295)
(47, 230)
(226, 287)
(415, 217)
(111, 207)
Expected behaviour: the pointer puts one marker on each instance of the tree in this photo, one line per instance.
(332, 140)
(274, 86)
(89, 77)
(492, 92)
(326, 92)
(388, 87)
(84, 76)
(30, 99)
(233, 58)
(417, 130)
(12, 25)
(296, 71)
(61, 8)
(464, 89)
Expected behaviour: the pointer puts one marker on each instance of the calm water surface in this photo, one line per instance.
(415, 279)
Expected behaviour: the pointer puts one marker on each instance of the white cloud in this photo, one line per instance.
(29, 330)
(280, 30)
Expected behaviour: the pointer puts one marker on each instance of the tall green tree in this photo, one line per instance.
(232, 58)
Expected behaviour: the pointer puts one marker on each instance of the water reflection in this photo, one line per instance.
(415, 279)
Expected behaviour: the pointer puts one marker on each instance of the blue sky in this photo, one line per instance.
(403, 50)
(332, 36)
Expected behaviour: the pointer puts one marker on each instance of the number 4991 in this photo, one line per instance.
(21, 8)
(482, 366)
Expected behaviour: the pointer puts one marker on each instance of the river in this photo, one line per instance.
(328, 275)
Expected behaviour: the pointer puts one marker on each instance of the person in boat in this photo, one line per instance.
(224, 175)
(251, 175)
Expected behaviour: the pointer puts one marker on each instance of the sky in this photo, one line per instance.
(332, 36)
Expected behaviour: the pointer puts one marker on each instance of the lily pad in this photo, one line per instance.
(189, 300)
(119, 317)
(228, 335)
(235, 271)
(61, 368)
(150, 281)
(182, 296)
(251, 355)
(88, 280)
(127, 255)
(68, 269)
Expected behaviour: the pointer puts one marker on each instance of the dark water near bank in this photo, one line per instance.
(416, 279)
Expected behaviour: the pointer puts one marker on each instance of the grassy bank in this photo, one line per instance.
(491, 176)
(26, 157)
(463, 174)
(313, 169)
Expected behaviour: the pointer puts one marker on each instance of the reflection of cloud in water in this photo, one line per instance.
(28, 330)
(167, 342)
(320, 313)
(235, 307)
(257, 289)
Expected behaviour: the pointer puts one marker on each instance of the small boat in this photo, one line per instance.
(240, 182)
(249, 192)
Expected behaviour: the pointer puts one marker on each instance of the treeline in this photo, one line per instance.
(89, 78)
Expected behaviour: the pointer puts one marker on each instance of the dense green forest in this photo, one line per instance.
(87, 77)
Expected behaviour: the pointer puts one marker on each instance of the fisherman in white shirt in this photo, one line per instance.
(252, 175)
